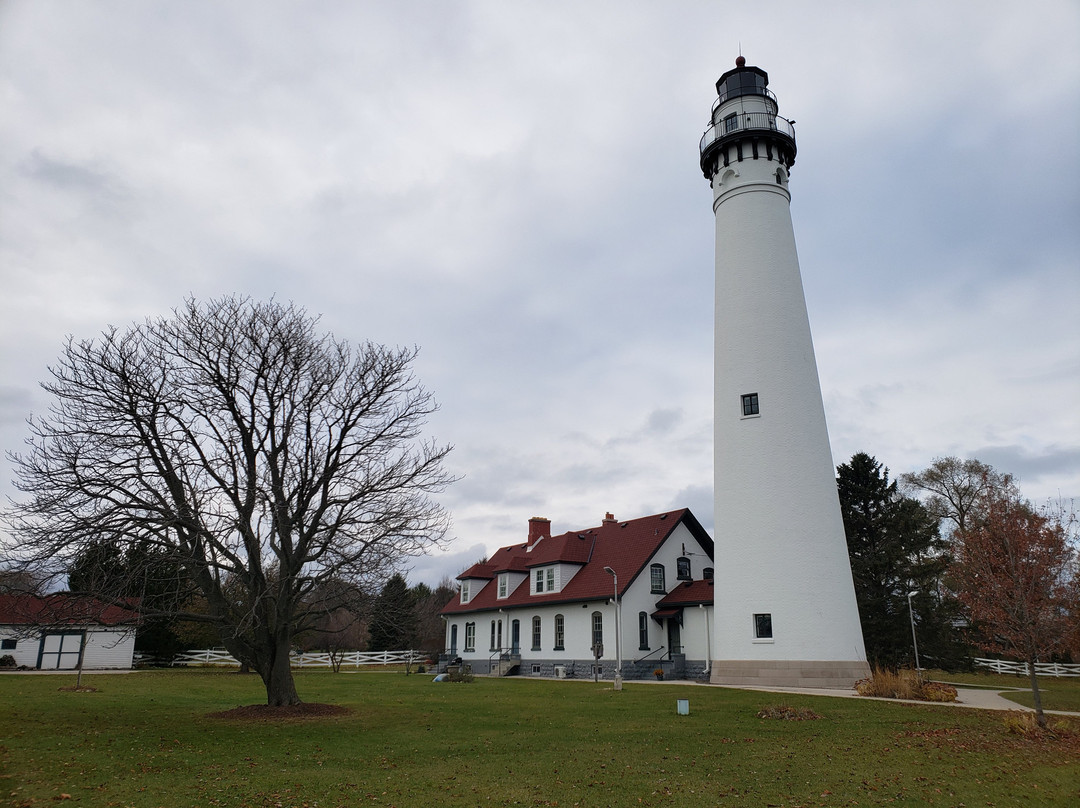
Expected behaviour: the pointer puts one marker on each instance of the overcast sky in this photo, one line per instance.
(514, 187)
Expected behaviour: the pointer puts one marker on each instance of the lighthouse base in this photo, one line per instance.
(788, 673)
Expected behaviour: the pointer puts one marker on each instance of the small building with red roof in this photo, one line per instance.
(547, 606)
(60, 631)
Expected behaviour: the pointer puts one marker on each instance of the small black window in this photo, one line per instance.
(731, 122)
(682, 569)
(750, 404)
(707, 573)
(763, 626)
(643, 631)
(8, 645)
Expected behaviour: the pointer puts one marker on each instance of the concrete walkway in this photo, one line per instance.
(972, 697)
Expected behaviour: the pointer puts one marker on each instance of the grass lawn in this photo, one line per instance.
(1062, 693)
(145, 739)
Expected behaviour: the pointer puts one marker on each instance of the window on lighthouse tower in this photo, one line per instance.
(750, 404)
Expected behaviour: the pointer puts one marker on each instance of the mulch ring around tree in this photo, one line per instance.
(78, 689)
(264, 712)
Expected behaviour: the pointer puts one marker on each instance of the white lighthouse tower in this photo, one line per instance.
(785, 610)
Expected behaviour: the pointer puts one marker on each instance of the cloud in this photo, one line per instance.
(514, 188)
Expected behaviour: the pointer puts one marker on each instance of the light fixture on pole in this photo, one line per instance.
(618, 630)
(914, 641)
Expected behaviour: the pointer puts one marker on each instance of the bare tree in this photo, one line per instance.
(955, 490)
(261, 456)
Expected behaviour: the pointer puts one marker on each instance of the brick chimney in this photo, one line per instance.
(609, 518)
(539, 527)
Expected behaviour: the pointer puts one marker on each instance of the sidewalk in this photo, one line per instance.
(970, 697)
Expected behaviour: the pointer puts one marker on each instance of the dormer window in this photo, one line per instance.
(544, 580)
(504, 584)
(464, 591)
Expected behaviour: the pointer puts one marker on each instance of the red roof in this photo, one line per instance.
(688, 593)
(626, 547)
(61, 610)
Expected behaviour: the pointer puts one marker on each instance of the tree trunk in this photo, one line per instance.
(280, 687)
(1039, 716)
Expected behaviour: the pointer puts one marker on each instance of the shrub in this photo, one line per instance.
(462, 674)
(888, 684)
(7, 661)
(786, 712)
(938, 691)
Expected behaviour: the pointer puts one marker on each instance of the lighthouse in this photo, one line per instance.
(785, 610)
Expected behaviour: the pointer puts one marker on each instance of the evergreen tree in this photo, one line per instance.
(895, 549)
(393, 621)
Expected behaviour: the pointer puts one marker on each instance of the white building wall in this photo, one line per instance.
(578, 617)
(26, 647)
(108, 649)
(104, 649)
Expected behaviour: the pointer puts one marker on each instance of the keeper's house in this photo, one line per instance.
(56, 632)
(546, 607)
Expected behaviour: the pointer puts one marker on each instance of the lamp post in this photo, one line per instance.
(914, 641)
(618, 630)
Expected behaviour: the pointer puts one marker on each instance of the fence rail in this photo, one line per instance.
(219, 656)
(1053, 669)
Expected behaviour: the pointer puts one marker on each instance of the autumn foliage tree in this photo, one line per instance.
(1016, 573)
(238, 444)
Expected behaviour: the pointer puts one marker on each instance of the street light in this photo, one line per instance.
(618, 630)
(915, 642)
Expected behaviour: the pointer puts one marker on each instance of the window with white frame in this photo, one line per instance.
(504, 584)
(560, 632)
(597, 629)
(536, 632)
(682, 568)
(544, 580)
(464, 591)
(470, 636)
(656, 577)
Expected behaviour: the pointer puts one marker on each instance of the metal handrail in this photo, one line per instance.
(642, 659)
(745, 122)
(765, 91)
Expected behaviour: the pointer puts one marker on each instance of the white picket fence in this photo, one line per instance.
(350, 659)
(1021, 669)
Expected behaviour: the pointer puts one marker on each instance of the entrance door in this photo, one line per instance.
(515, 637)
(674, 636)
(60, 651)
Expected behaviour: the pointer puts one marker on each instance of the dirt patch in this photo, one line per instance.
(264, 712)
(81, 689)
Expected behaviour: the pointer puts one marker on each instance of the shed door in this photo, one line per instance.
(60, 651)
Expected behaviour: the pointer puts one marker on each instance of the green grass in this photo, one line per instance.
(145, 739)
(1061, 693)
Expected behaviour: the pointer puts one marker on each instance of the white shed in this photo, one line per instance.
(56, 632)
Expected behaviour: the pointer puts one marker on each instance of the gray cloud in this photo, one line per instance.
(514, 188)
